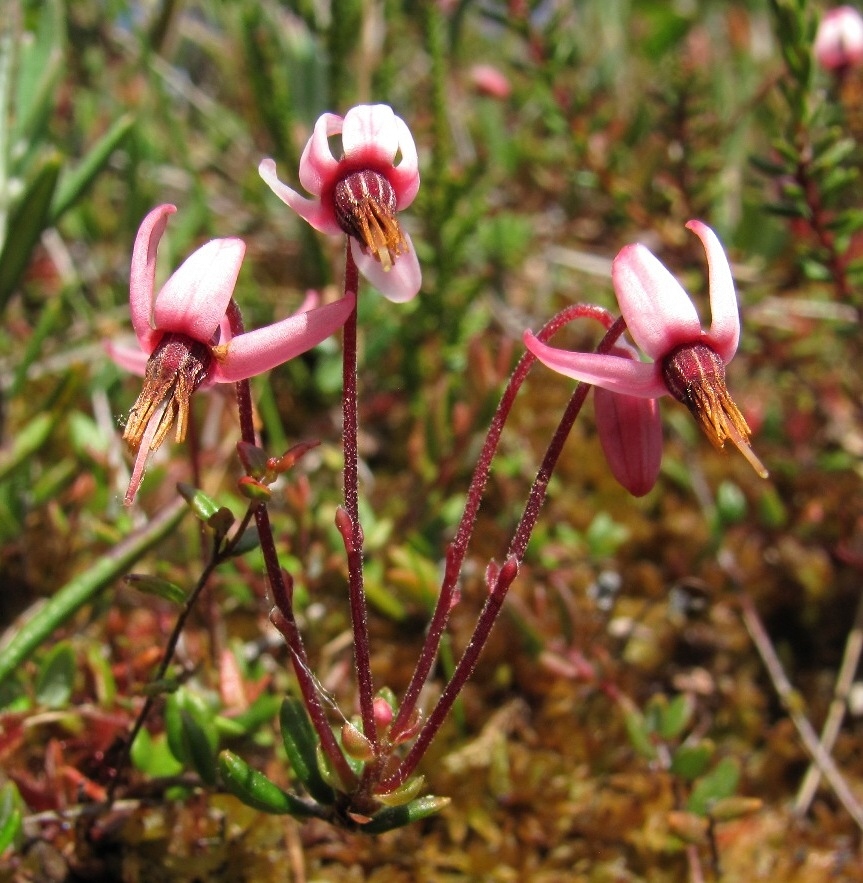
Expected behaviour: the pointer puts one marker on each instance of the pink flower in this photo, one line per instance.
(688, 362)
(490, 81)
(839, 40)
(185, 337)
(360, 193)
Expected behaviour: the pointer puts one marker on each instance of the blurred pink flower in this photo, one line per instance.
(688, 362)
(185, 339)
(360, 193)
(490, 81)
(839, 40)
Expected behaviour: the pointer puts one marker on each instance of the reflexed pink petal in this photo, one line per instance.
(370, 130)
(318, 166)
(193, 301)
(630, 433)
(724, 334)
(658, 312)
(321, 217)
(614, 373)
(401, 283)
(143, 274)
(405, 177)
(130, 358)
(258, 351)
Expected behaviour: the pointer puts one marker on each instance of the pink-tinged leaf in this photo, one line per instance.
(193, 301)
(659, 313)
(261, 350)
(143, 275)
(724, 332)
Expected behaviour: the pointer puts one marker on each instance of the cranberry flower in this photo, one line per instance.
(360, 193)
(185, 337)
(688, 362)
(839, 39)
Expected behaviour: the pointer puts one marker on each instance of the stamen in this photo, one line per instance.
(695, 376)
(175, 370)
(365, 204)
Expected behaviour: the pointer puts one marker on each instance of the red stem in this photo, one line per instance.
(353, 533)
(281, 589)
(508, 572)
(458, 547)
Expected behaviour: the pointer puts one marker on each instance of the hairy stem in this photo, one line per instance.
(500, 581)
(457, 550)
(281, 586)
(353, 532)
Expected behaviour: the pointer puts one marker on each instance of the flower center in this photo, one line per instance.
(365, 204)
(695, 375)
(175, 370)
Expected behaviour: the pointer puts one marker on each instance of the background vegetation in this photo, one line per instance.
(636, 634)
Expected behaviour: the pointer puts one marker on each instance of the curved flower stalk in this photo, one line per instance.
(688, 362)
(838, 42)
(185, 339)
(360, 193)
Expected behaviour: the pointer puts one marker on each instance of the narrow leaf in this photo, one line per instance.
(26, 222)
(399, 816)
(155, 585)
(257, 791)
(301, 747)
(74, 183)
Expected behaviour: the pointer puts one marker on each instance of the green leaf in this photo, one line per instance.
(248, 541)
(399, 816)
(192, 734)
(28, 219)
(768, 166)
(202, 740)
(690, 761)
(718, 784)
(27, 441)
(155, 585)
(301, 746)
(674, 718)
(203, 507)
(257, 791)
(260, 712)
(56, 676)
(74, 183)
(153, 756)
(11, 815)
(730, 503)
(40, 66)
(639, 732)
